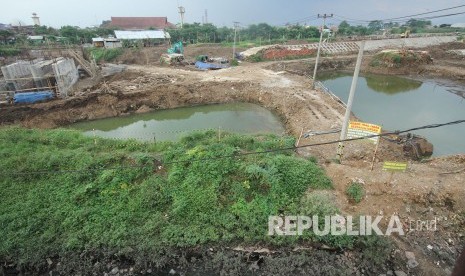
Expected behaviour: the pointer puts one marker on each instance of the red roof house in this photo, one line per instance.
(140, 23)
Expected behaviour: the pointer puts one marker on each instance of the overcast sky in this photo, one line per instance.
(86, 13)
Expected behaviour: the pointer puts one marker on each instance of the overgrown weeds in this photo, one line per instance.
(103, 54)
(62, 191)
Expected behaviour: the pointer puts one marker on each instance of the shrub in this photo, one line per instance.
(355, 192)
(9, 51)
(256, 58)
(114, 194)
(102, 54)
(234, 62)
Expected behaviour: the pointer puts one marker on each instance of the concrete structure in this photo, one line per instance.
(39, 75)
(347, 47)
(140, 23)
(66, 75)
(35, 19)
(17, 75)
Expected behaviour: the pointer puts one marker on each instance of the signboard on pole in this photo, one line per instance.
(395, 166)
(361, 129)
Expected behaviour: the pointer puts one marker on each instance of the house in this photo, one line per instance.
(458, 25)
(4, 26)
(112, 42)
(98, 42)
(108, 43)
(147, 38)
(139, 23)
(36, 39)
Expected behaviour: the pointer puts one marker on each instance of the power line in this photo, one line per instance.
(240, 154)
(302, 20)
(424, 13)
(407, 17)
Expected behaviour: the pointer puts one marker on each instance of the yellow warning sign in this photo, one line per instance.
(361, 129)
(394, 166)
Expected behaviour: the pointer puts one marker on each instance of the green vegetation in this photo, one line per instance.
(234, 62)
(258, 57)
(116, 194)
(355, 191)
(391, 84)
(103, 54)
(396, 58)
(9, 51)
(253, 35)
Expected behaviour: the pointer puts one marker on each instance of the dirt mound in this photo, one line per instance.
(142, 56)
(400, 58)
(192, 51)
(442, 52)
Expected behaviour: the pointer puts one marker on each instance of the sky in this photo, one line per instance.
(86, 13)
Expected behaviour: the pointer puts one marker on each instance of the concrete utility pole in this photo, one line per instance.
(324, 16)
(236, 25)
(350, 101)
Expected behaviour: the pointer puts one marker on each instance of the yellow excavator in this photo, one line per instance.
(405, 34)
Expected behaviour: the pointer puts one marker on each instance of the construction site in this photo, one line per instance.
(430, 188)
(163, 151)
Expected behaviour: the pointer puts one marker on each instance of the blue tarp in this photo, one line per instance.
(33, 97)
(206, 66)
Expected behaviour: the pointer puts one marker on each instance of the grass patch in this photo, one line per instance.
(9, 51)
(139, 206)
(234, 62)
(256, 58)
(355, 191)
(102, 54)
(400, 58)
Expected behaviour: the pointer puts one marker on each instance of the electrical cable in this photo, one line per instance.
(243, 154)
(406, 17)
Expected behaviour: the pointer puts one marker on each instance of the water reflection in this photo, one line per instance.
(391, 84)
(170, 125)
(400, 103)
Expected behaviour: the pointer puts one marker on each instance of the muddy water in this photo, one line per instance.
(170, 125)
(399, 103)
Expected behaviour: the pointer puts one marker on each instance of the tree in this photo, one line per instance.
(415, 23)
(375, 25)
(4, 36)
(344, 28)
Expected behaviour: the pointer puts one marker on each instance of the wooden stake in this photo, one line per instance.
(374, 154)
(298, 140)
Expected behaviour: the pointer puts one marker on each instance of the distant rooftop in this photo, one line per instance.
(458, 25)
(141, 34)
(140, 23)
(5, 26)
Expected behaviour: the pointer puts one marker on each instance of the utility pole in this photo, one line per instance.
(324, 16)
(206, 16)
(350, 101)
(236, 25)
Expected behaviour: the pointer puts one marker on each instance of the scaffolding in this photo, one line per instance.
(58, 75)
